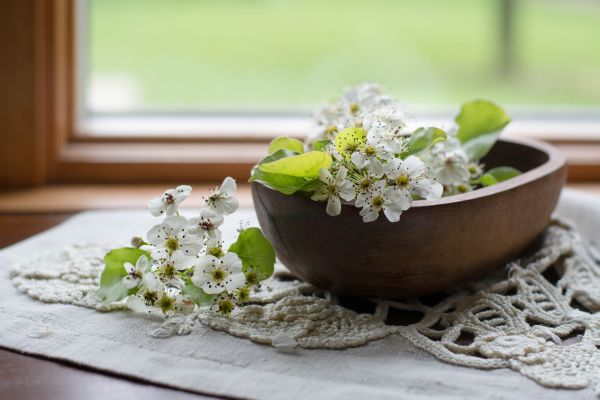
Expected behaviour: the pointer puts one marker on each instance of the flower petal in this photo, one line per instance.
(392, 215)
(129, 268)
(130, 282)
(233, 262)
(235, 281)
(334, 206)
(135, 303)
(228, 186)
(325, 176)
(156, 206)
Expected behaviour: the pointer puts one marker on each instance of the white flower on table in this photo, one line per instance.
(184, 304)
(381, 198)
(135, 273)
(409, 177)
(168, 203)
(214, 275)
(207, 224)
(150, 291)
(166, 269)
(173, 236)
(222, 200)
(333, 188)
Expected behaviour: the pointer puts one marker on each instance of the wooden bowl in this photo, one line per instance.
(435, 245)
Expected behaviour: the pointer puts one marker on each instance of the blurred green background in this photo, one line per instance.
(285, 55)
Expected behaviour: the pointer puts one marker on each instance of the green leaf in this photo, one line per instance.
(282, 183)
(198, 296)
(286, 143)
(285, 184)
(497, 175)
(278, 155)
(422, 139)
(111, 281)
(320, 145)
(349, 140)
(305, 165)
(479, 125)
(256, 251)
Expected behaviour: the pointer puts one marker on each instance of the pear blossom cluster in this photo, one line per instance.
(367, 135)
(185, 256)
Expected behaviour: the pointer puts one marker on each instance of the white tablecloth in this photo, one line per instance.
(212, 362)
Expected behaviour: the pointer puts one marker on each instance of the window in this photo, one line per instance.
(232, 68)
(190, 90)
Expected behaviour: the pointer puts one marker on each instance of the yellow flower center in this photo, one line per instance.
(402, 180)
(369, 150)
(169, 271)
(172, 244)
(364, 183)
(216, 251)
(377, 201)
(226, 306)
(351, 148)
(463, 188)
(217, 275)
(166, 304)
(354, 107)
(251, 278)
(243, 294)
(332, 189)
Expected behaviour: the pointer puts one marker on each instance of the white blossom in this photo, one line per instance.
(173, 236)
(150, 291)
(370, 155)
(381, 198)
(214, 275)
(384, 127)
(169, 202)
(347, 111)
(333, 188)
(449, 162)
(166, 270)
(327, 120)
(409, 177)
(135, 273)
(362, 97)
(184, 304)
(222, 200)
(207, 224)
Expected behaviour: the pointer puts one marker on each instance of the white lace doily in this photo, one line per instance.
(537, 316)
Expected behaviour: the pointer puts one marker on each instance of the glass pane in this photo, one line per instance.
(290, 55)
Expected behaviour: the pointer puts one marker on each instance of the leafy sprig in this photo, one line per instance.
(182, 265)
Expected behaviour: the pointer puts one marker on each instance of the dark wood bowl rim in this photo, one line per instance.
(556, 160)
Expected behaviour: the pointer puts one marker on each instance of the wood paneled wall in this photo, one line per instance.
(22, 143)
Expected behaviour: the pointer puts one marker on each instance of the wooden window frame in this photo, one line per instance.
(38, 119)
